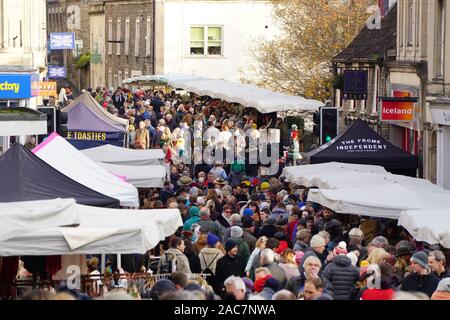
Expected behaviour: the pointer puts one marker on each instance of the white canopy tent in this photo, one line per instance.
(265, 101)
(431, 226)
(99, 231)
(302, 175)
(123, 156)
(65, 158)
(138, 176)
(384, 200)
(19, 217)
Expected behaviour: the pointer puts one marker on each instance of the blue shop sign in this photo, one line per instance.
(62, 41)
(15, 86)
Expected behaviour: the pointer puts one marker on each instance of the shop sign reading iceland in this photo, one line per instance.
(15, 86)
(361, 145)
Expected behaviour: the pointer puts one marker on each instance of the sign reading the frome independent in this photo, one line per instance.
(15, 86)
(397, 109)
(361, 145)
(62, 41)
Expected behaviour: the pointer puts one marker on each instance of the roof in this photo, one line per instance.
(21, 114)
(360, 144)
(25, 177)
(371, 44)
(265, 101)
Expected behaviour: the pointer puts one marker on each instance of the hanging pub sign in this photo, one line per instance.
(397, 108)
(355, 85)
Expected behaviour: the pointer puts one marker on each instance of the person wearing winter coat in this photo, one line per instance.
(176, 250)
(211, 254)
(260, 245)
(206, 223)
(268, 261)
(327, 223)
(302, 244)
(341, 275)
(442, 291)
(311, 267)
(229, 265)
(271, 286)
(194, 217)
(317, 249)
(243, 250)
(422, 279)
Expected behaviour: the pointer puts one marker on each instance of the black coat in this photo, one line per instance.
(277, 272)
(342, 277)
(228, 266)
(422, 283)
(332, 226)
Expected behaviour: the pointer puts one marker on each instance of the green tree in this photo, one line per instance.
(313, 32)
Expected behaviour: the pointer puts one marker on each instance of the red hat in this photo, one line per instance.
(259, 284)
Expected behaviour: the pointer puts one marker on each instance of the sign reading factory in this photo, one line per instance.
(361, 145)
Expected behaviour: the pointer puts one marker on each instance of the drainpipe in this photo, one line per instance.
(154, 35)
(422, 73)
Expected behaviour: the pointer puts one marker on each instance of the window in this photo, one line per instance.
(197, 40)
(110, 37)
(119, 78)
(136, 41)
(126, 77)
(440, 39)
(115, 85)
(206, 40)
(215, 40)
(127, 36)
(119, 31)
(147, 40)
(110, 83)
(410, 23)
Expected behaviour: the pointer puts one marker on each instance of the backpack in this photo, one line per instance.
(169, 264)
(208, 270)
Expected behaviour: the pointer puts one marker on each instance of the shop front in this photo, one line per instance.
(439, 112)
(17, 117)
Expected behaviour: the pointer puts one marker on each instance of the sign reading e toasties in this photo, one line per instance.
(361, 145)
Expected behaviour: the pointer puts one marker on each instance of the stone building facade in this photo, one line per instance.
(129, 40)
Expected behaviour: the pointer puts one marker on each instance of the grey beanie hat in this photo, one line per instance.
(421, 258)
(236, 232)
(444, 285)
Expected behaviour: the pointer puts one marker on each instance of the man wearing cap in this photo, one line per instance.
(316, 249)
(229, 265)
(422, 279)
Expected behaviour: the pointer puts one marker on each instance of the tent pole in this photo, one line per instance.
(119, 261)
(103, 263)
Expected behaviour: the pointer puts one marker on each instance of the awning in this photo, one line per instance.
(431, 226)
(263, 100)
(99, 231)
(122, 156)
(138, 176)
(62, 156)
(22, 121)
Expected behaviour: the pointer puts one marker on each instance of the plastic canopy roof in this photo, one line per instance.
(138, 176)
(122, 156)
(25, 177)
(65, 158)
(430, 225)
(265, 101)
(98, 231)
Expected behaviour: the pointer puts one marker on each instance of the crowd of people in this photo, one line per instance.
(251, 237)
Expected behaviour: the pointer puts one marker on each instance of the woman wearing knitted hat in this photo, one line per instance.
(209, 257)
